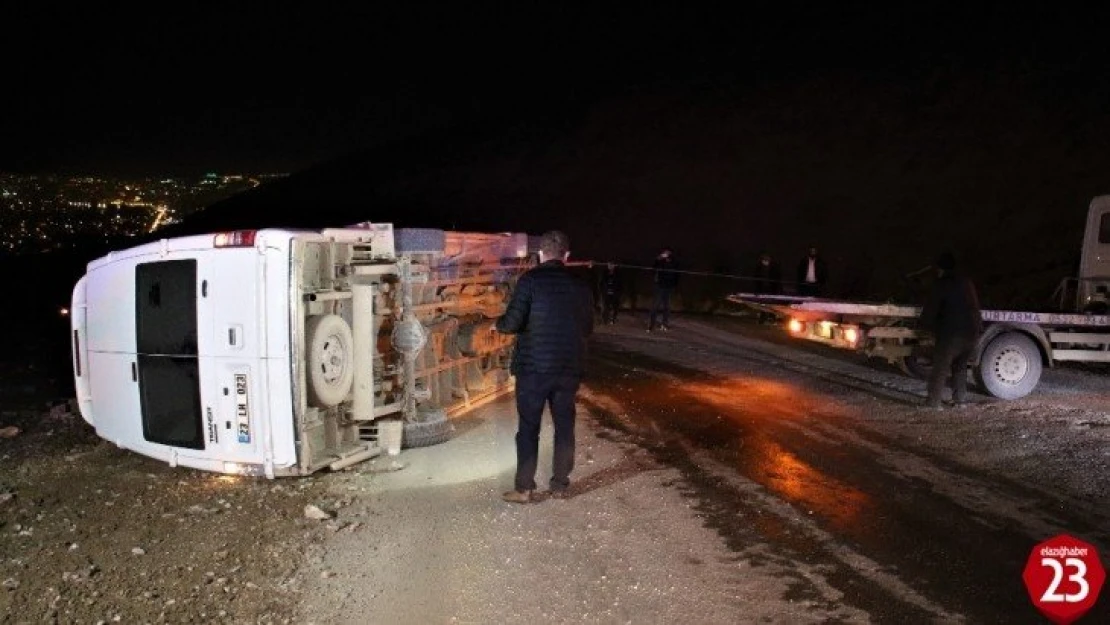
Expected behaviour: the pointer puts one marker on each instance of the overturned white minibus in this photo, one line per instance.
(281, 352)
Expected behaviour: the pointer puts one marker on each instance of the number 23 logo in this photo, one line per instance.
(1079, 577)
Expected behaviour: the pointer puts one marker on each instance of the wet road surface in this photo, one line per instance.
(774, 453)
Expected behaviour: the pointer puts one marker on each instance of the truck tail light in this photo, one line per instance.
(795, 326)
(237, 238)
(851, 335)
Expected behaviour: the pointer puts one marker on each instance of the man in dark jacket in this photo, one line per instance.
(768, 281)
(665, 280)
(610, 287)
(952, 314)
(767, 275)
(551, 312)
(812, 274)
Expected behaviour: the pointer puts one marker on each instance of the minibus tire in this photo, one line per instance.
(330, 354)
(432, 428)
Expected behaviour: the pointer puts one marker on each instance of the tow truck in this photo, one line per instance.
(1015, 346)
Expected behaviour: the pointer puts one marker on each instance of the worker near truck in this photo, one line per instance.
(767, 280)
(953, 315)
(812, 274)
(610, 286)
(665, 280)
(551, 314)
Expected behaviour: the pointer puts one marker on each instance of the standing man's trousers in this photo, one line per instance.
(950, 360)
(610, 303)
(533, 392)
(661, 306)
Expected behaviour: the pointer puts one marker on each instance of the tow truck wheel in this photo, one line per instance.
(918, 364)
(330, 360)
(1010, 366)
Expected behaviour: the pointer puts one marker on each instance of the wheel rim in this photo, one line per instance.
(1010, 366)
(333, 359)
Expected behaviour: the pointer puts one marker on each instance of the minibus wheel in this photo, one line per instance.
(430, 427)
(330, 356)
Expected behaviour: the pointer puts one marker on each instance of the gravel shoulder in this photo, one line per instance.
(629, 546)
(90, 533)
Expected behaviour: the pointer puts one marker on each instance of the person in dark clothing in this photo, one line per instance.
(665, 280)
(812, 274)
(551, 314)
(952, 314)
(610, 287)
(767, 275)
(768, 281)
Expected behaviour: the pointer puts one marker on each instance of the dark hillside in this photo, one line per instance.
(879, 176)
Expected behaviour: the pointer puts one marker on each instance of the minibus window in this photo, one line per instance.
(166, 333)
(166, 307)
(169, 393)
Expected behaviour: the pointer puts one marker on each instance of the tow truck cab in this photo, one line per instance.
(1094, 263)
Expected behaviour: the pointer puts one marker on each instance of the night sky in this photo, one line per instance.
(876, 131)
(92, 89)
(263, 89)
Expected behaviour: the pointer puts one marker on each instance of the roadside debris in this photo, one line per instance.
(63, 411)
(315, 513)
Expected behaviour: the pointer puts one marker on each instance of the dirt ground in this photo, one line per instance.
(90, 533)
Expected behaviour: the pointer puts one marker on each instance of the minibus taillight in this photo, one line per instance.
(77, 353)
(237, 238)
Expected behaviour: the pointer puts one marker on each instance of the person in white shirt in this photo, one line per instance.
(812, 274)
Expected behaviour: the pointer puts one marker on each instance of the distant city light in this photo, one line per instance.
(46, 212)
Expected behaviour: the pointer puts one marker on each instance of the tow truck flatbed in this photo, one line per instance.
(1007, 361)
(808, 307)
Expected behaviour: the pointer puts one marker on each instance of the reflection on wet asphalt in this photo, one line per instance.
(770, 457)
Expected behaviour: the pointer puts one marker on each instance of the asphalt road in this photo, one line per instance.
(802, 452)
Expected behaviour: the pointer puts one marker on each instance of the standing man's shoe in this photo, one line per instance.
(518, 496)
